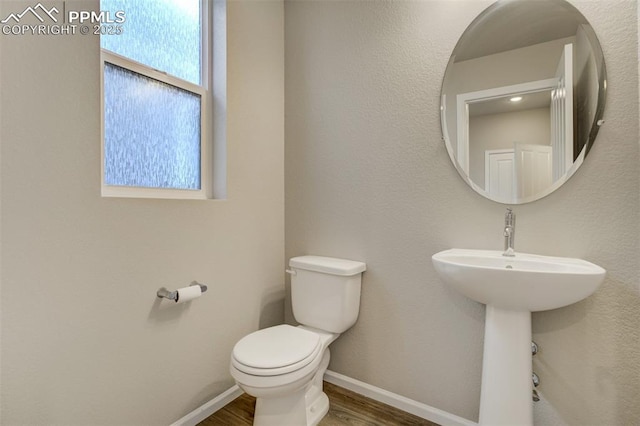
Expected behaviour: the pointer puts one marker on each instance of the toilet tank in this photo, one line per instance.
(325, 291)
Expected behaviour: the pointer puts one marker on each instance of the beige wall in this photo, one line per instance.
(368, 178)
(84, 338)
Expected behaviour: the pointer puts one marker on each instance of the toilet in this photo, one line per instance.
(283, 366)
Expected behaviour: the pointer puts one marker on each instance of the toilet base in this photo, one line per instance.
(316, 400)
(318, 409)
(306, 406)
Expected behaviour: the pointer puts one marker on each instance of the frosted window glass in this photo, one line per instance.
(163, 34)
(152, 132)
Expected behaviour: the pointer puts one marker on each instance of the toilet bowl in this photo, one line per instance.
(283, 366)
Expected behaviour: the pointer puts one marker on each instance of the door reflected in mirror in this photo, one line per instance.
(520, 113)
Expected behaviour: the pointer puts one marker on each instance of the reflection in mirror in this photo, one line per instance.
(522, 97)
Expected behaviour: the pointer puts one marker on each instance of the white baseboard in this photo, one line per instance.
(201, 413)
(400, 402)
(397, 401)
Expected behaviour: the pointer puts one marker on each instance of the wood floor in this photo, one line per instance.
(346, 408)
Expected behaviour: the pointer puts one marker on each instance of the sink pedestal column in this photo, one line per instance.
(505, 397)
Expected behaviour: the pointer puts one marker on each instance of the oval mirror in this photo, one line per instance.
(522, 99)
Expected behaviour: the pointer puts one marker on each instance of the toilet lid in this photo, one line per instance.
(276, 350)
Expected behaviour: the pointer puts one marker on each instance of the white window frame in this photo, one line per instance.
(205, 93)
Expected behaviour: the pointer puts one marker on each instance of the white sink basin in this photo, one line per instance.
(525, 282)
(512, 288)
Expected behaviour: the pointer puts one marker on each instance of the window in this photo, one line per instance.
(156, 100)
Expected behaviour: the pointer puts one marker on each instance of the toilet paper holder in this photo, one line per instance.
(173, 295)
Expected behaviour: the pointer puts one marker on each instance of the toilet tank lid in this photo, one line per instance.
(328, 265)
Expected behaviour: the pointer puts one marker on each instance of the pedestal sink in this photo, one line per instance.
(512, 288)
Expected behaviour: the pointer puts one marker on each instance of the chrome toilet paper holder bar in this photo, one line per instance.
(173, 295)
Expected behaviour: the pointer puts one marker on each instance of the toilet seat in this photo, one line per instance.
(276, 350)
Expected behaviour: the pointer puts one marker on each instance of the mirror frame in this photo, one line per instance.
(598, 56)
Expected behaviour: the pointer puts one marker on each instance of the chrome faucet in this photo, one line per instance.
(509, 232)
